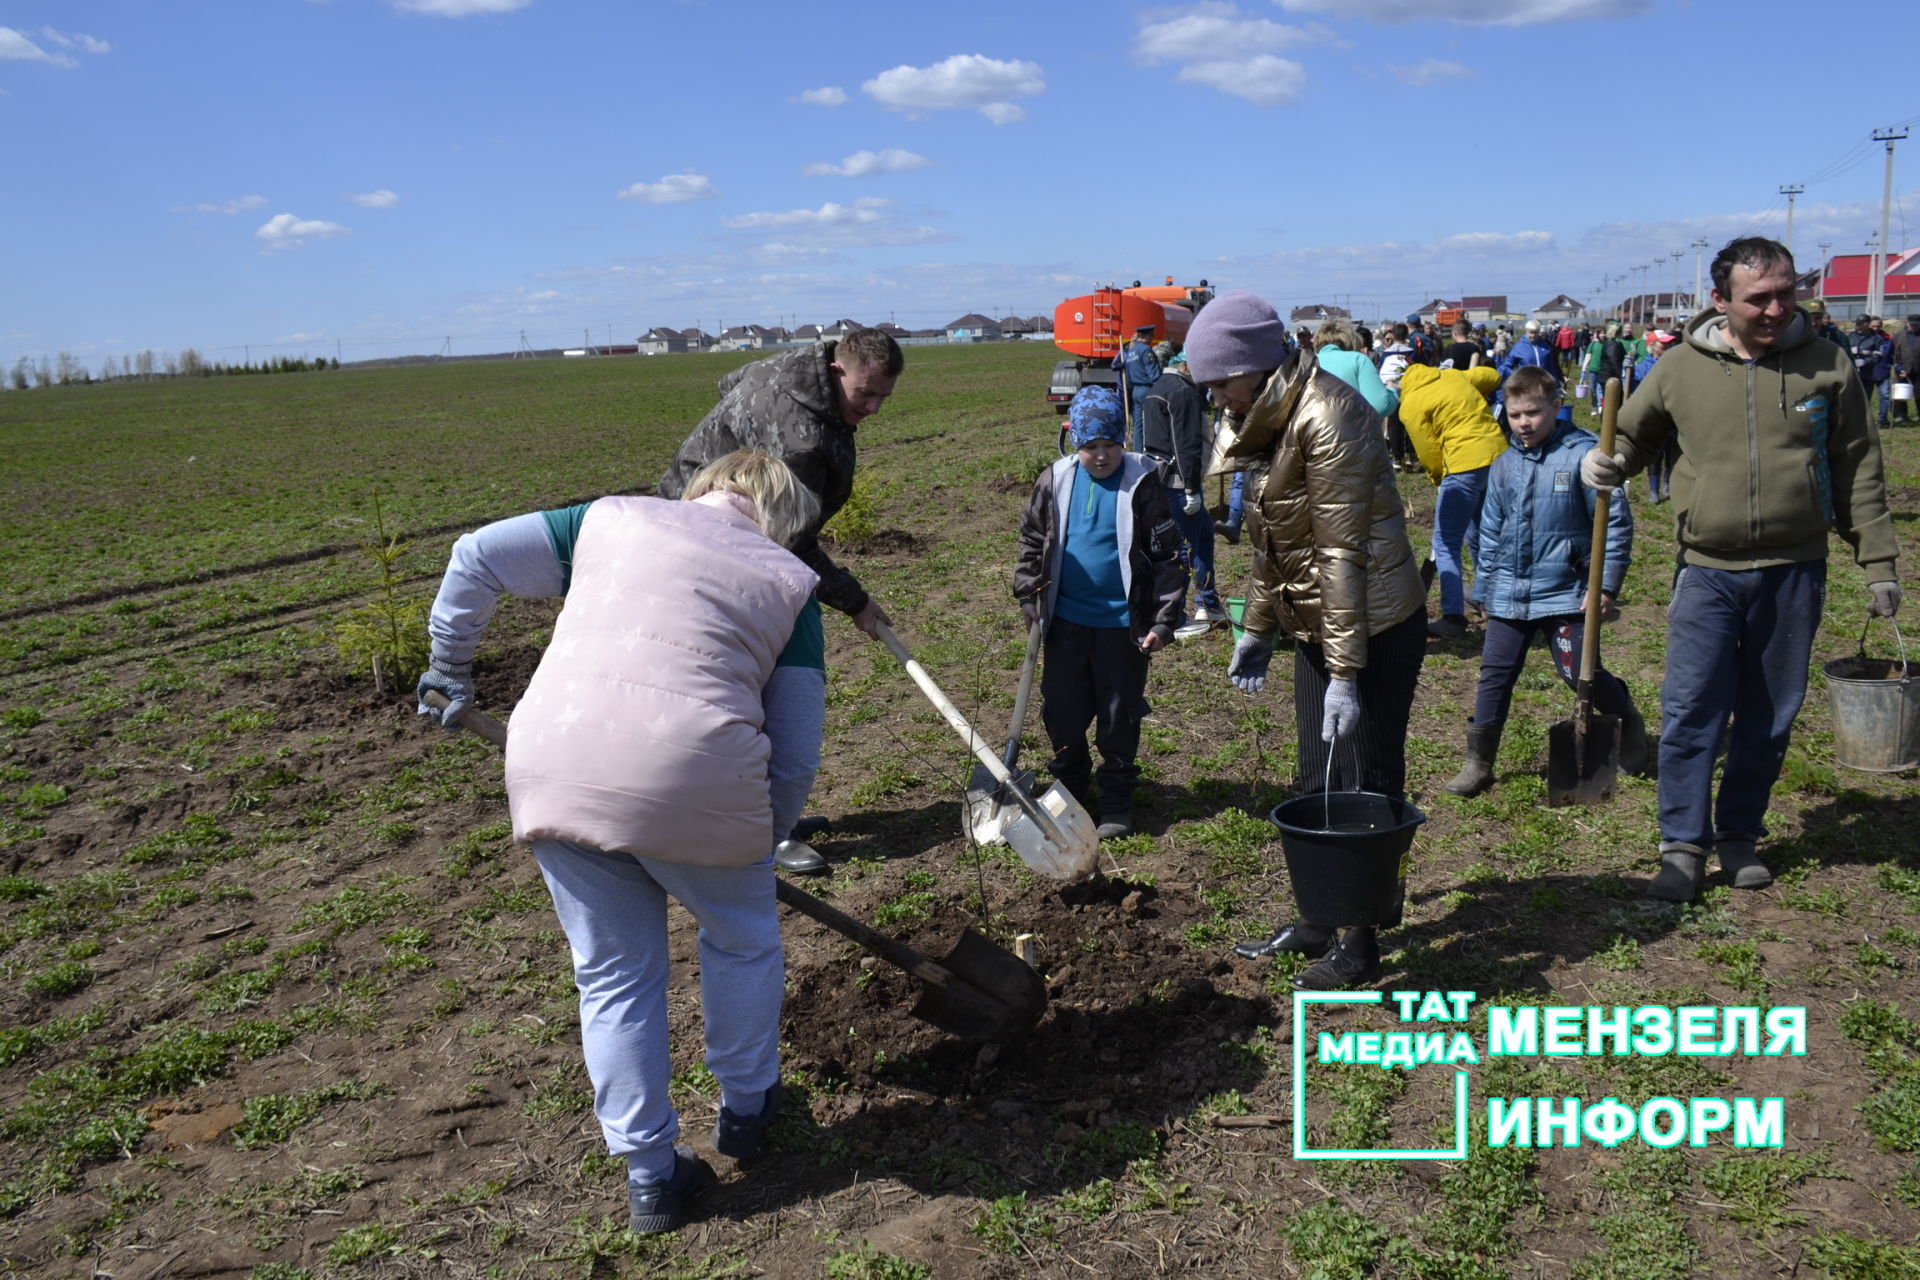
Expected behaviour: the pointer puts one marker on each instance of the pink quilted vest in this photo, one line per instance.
(641, 731)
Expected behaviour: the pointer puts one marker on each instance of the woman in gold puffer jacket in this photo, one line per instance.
(1332, 566)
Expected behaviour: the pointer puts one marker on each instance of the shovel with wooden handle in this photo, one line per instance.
(979, 991)
(1054, 834)
(1583, 754)
(989, 808)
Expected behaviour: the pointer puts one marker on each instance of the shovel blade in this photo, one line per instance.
(992, 995)
(989, 807)
(1583, 773)
(1065, 846)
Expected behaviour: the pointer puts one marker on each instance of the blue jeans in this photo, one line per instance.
(1197, 530)
(613, 907)
(1237, 499)
(1456, 524)
(1137, 397)
(1738, 643)
(1885, 389)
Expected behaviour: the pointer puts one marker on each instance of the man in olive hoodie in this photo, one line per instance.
(1776, 449)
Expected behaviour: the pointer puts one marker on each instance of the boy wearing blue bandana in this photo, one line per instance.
(1100, 568)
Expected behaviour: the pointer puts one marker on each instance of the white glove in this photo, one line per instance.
(1194, 506)
(1886, 599)
(1598, 471)
(1342, 714)
(1252, 655)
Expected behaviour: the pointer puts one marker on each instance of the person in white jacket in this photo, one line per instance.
(672, 728)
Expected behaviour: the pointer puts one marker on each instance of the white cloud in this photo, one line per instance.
(85, 43)
(1432, 71)
(381, 199)
(865, 164)
(1263, 80)
(1219, 46)
(830, 214)
(830, 96)
(239, 205)
(964, 82)
(1494, 242)
(458, 8)
(1473, 13)
(866, 222)
(17, 46)
(675, 188)
(285, 231)
(1210, 31)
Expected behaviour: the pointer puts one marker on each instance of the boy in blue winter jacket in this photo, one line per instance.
(1536, 544)
(1100, 569)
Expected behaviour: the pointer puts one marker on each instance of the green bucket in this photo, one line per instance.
(1236, 606)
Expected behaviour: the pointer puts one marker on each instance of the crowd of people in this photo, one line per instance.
(669, 740)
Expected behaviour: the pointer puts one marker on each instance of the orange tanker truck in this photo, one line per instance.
(1095, 326)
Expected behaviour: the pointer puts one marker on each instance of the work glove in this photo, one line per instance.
(1886, 599)
(1342, 714)
(1252, 655)
(1598, 471)
(454, 681)
(1194, 505)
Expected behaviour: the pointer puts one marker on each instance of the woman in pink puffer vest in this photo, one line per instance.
(668, 733)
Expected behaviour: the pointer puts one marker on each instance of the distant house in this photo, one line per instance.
(1558, 311)
(1654, 308)
(1015, 327)
(778, 334)
(807, 333)
(1318, 312)
(1485, 309)
(1846, 281)
(1434, 308)
(660, 342)
(973, 327)
(840, 329)
(892, 330)
(745, 337)
(697, 339)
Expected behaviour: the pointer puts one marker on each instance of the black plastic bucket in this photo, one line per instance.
(1347, 854)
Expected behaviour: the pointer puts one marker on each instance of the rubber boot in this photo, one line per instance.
(1682, 868)
(1636, 753)
(1476, 775)
(1742, 865)
(1353, 961)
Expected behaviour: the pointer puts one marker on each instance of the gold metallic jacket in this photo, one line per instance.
(1331, 562)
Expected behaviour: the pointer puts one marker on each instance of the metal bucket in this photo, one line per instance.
(1876, 710)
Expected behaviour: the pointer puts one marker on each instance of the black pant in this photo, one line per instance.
(1503, 652)
(1094, 676)
(1374, 756)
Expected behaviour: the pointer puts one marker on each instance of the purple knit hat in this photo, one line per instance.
(1235, 333)
(1096, 414)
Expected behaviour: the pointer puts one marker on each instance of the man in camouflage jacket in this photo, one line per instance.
(802, 406)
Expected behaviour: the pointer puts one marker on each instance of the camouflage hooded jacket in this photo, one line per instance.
(784, 405)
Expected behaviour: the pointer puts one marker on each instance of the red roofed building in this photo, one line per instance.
(1848, 278)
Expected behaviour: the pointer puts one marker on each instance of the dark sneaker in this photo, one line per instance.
(654, 1207)
(1298, 938)
(1449, 627)
(740, 1136)
(1340, 968)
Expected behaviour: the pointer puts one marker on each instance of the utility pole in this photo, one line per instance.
(1790, 192)
(1673, 299)
(1699, 243)
(1824, 246)
(1878, 302)
(1653, 287)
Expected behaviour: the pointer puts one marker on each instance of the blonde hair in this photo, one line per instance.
(1337, 333)
(785, 508)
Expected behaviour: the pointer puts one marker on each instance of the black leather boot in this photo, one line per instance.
(1300, 938)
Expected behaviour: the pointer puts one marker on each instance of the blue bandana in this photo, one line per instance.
(1096, 414)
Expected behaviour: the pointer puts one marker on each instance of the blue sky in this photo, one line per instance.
(376, 176)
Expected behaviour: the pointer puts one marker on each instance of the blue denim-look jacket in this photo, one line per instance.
(1536, 529)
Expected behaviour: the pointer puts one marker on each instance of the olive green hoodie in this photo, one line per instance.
(1774, 451)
